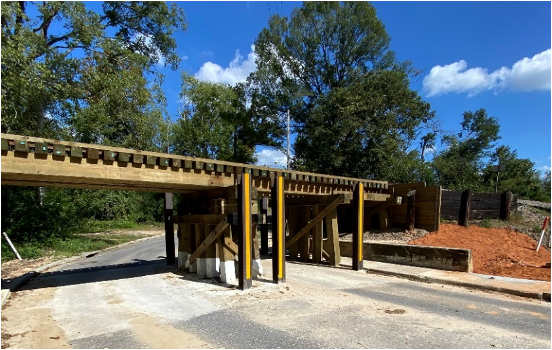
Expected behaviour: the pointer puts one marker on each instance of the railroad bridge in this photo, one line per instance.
(223, 205)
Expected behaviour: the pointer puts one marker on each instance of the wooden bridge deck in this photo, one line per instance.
(30, 161)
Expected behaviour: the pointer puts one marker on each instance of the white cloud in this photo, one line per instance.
(272, 158)
(184, 57)
(237, 71)
(527, 74)
(543, 169)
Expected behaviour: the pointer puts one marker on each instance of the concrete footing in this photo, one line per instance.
(227, 272)
(212, 267)
(257, 267)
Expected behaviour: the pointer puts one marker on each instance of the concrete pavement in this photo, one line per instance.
(521, 287)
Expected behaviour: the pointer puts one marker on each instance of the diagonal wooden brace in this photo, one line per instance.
(222, 225)
(233, 247)
(314, 221)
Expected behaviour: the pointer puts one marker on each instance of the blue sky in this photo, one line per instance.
(492, 55)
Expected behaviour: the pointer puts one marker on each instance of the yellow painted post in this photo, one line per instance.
(244, 229)
(358, 207)
(278, 229)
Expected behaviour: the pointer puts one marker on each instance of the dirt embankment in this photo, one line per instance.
(495, 251)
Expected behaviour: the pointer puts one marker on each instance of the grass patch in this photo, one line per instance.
(93, 226)
(73, 245)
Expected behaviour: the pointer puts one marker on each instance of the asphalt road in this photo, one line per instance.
(129, 298)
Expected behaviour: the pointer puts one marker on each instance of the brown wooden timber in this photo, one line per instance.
(219, 229)
(410, 209)
(230, 245)
(205, 219)
(333, 238)
(92, 171)
(327, 210)
(317, 237)
(303, 242)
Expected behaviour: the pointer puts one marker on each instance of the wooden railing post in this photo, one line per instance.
(505, 201)
(264, 226)
(465, 207)
(411, 210)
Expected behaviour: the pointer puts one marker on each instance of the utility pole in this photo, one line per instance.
(287, 139)
(498, 168)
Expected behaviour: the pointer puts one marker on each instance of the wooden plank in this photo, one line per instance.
(76, 152)
(205, 219)
(164, 161)
(5, 145)
(317, 237)
(333, 238)
(59, 150)
(327, 210)
(303, 243)
(108, 155)
(219, 229)
(231, 246)
(310, 200)
(410, 210)
(41, 148)
(92, 153)
(99, 175)
(465, 208)
(151, 160)
(21, 146)
(198, 165)
(137, 158)
(125, 157)
(379, 197)
(175, 163)
(293, 227)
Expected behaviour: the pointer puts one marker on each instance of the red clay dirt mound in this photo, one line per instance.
(495, 251)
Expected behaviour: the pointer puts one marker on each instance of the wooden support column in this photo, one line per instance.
(317, 239)
(184, 244)
(264, 226)
(358, 229)
(227, 268)
(505, 201)
(245, 242)
(303, 243)
(200, 257)
(212, 262)
(333, 238)
(410, 209)
(293, 226)
(278, 229)
(465, 207)
(192, 265)
(257, 267)
(169, 229)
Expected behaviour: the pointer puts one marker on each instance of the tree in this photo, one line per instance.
(220, 121)
(47, 87)
(349, 98)
(69, 72)
(519, 175)
(459, 166)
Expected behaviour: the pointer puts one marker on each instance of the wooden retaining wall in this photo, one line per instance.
(456, 204)
(427, 206)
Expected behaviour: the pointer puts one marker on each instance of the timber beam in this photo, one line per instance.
(392, 201)
(327, 210)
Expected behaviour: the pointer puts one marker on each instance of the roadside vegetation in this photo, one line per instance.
(73, 73)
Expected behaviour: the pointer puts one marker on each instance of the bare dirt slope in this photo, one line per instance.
(495, 251)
